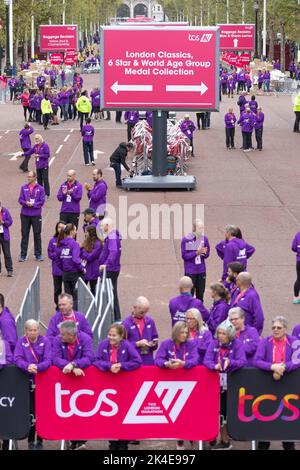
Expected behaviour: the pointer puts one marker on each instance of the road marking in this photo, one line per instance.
(66, 138)
(59, 149)
(96, 153)
(71, 130)
(6, 132)
(51, 161)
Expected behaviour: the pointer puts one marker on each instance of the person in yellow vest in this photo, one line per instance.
(297, 113)
(47, 112)
(84, 107)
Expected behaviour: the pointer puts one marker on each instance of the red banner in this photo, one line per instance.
(148, 403)
(58, 38)
(56, 59)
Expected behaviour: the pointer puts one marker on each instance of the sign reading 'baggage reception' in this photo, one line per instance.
(237, 37)
(160, 68)
(147, 403)
(58, 38)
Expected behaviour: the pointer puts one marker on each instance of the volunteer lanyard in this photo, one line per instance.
(222, 354)
(31, 188)
(178, 349)
(113, 354)
(32, 350)
(71, 348)
(239, 296)
(71, 318)
(140, 324)
(281, 351)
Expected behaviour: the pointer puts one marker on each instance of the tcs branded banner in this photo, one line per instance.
(58, 38)
(237, 37)
(148, 403)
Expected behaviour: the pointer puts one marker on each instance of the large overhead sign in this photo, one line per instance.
(237, 37)
(58, 38)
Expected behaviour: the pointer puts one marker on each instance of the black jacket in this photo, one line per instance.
(119, 156)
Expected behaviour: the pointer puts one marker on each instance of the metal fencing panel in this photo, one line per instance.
(85, 297)
(35, 297)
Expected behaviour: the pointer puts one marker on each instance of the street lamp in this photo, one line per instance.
(256, 7)
(7, 68)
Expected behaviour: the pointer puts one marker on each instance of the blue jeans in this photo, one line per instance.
(117, 168)
(88, 152)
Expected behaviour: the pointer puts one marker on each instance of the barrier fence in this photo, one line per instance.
(31, 304)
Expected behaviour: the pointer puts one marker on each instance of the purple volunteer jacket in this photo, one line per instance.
(91, 261)
(178, 306)
(8, 328)
(70, 202)
(93, 222)
(81, 322)
(149, 333)
(52, 254)
(40, 81)
(6, 223)
(259, 121)
(149, 118)
(95, 95)
(127, 356)
(42, 161)
(247, 122)
(63, 97)
(242, 103)
(295, 333)
(186, 351)
(97, 197)
(111, 253)
(296, 246)
(235, 353)
(263, 358)
(9, 358)
(41, 355)
(188, 127)
(235, 249)
(38, 198)
(202, 341)
(194, 264)
(87, 133)
(68, 254)
(25, 141)
(132, 117)
(228, 120)
(250, 339)
(231, 84)
(217, 314)
(253, 106)
(250, 303)
(83, 355)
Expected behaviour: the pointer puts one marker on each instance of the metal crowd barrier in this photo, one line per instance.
(31, 304)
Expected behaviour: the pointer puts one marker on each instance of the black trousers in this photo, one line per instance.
(38, 116)
(88, 152)
(24, 164)
(70, 279)
(199, 281)
(247, 140)
(93, 285)
(118, 116)
(83, 116)
(113, 275)
(46, 118)
(297, 121)
(129, 129)
(26, 223)
(57, 284)
(31, 434)
(12, 93)
(297, 282)
(241, 86)
(25, 109)
(265, 445)
(5, 245)
(230, 137)
(70, 218)
(43, 179)
(258, 136)
(200, 116)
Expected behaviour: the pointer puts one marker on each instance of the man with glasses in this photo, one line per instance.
(245, 333)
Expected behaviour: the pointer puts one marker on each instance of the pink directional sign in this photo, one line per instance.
(159, 68)
(237, 37)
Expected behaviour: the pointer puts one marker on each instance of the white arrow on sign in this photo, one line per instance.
(202, 88)
(235, 42)
(116, 87)
(15, 155)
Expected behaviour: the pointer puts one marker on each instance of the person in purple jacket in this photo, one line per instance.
(260, 79)
(233, 248)
(41, 153)
(224, 81)
(95, 96)
(63, 99)
(33, 355)
(178, 306)
(195, 250)
(8, 328)
(56, 271)
(188, 127)
(97, 193)
(246, 297)
(90, 253)
(277, 354)
(246, 122)
(88, 133)
(6, 355)
(245, 333)
(38, 106)
(66, 312)
(234, 269)
(70, 194)
(5, 222)
(253, 105)
(116, 354)
(141, 331)
(40, 82)
(219, 310)
(230, 120)
(89, 219)
(296, 331)
(224, 354)
(32, 199)
(25, 143)
(241, 77)
(276, 65)
(296, 249)
(55, 104)
(242, 101)
(72, 352)
(230, 86)
(69, 261)
(110, 258)
(266, 82)
(198, 332)
(259, 127)
(131, 118)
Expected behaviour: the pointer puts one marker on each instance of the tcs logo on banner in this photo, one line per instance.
(144, 410)
(256, 414)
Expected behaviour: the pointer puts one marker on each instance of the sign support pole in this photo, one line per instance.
(159, 152)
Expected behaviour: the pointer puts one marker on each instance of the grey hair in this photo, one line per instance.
(198, 317)
(66, 296)
(229, 329)
(69, 326)
(31, 322)
(236, 311)
(177, 328)
(231, 229)
(281, 320)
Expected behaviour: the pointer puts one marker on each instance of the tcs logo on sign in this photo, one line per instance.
(255, 406)
(198, 38)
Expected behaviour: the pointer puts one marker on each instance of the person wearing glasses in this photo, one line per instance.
(275, 354)
(198, 332)
(248, 335)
